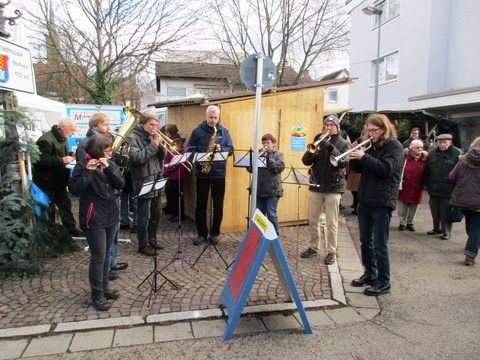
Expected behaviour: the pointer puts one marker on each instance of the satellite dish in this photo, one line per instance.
(248, 72)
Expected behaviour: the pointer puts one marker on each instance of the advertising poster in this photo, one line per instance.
(299, 138)
(81, 115)
(16, 69)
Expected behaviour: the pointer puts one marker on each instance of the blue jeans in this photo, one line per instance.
(373, 223)
(124, 203)
(114, 248)
(268, 206)
(472, 227)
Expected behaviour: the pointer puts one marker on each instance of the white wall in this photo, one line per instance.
(438, 44)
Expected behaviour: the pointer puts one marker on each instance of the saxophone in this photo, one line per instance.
(211, 149)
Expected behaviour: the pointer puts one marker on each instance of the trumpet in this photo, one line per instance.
(313, 147)
(263, 152)
(172, 147)
(334, 160)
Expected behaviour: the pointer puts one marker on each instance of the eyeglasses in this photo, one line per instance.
(372, 130)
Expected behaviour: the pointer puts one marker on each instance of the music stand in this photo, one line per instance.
(203, 157)
(177, 160)
(296, 177)
(156, 185)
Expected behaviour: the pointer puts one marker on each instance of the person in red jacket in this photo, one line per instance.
(411, 186)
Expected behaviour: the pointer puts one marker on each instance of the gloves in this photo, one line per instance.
(327, 145)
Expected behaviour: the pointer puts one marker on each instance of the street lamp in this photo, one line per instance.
(371, 10)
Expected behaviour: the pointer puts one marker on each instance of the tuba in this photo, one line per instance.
(120, 144)
(207, 165)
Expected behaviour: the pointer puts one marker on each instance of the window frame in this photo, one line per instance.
(383, 68)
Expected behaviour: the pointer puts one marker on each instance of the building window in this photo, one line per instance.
(209, 90)
(387, 69)
(390, 10)
(176, 92)
(332, 96)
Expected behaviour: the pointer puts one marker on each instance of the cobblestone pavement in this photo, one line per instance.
(61, 293)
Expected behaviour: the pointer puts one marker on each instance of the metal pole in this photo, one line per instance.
(258, 108)
(377, 74)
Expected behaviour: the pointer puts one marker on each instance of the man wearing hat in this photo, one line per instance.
(440, 162)
(329, 185)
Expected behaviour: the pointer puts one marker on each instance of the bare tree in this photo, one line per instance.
(109, 41)
(291, 32)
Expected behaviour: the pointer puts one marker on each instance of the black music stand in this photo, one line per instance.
(157, 184)
(204, 157)
(177, 160)
(296, 176)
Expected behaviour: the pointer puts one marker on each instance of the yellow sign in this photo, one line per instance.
(260, 222)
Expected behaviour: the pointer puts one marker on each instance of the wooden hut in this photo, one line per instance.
(282, 109)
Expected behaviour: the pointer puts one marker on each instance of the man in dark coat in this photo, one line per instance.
(51, 175)
(145, 163)
(329, 183)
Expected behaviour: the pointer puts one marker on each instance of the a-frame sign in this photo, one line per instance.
(260, 238)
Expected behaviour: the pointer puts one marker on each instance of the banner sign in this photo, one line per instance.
(260, 238)
(16, 68)
(299, 138)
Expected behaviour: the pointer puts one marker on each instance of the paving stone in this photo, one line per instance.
(368, 314)
(101, 323)
(344, 315)
(316, 318)
(281, 322)
(138, 335)
(177, 331)
(362, 301)
(248, 325)
(184, 315)
(12, 349)
(24, 331)
(92, 340)
(208, 328)
(55, 344)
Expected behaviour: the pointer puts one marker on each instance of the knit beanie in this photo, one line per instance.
(334, 119)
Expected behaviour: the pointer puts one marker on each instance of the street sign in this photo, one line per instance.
(16, 69)
(248, 72)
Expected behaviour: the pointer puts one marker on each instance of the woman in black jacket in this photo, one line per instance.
(381, 168)
(95, 181)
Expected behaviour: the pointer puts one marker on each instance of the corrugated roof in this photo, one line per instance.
(218, 98)
(228, 72)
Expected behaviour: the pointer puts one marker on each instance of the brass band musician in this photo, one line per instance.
(329, 185)
(145, 163)
(210, 137)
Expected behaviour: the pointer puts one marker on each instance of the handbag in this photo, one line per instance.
(455, 214)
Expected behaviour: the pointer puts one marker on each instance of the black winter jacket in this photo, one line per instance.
(50, 173)
(144, 161)
(439, 165)
(200, 139)
(329, 179)
(269, 180)
(96, 188)
(381, 169)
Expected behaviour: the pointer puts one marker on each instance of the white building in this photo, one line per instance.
(429, 56)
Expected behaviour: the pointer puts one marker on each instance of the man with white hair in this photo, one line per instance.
(51, 175)
(210, 136)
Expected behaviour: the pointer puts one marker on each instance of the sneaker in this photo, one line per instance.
(111, 294)
(199, 240)
(147, 250)
(329, 259)
(445, 236)
(309, 253)
(120, 266)
(469, 261)
(101, 304)
(402, 227)
(214, 239)
(112, 275)
(411, 227)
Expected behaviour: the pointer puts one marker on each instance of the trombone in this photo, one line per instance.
(334, 160)
(172, 147)
(313, 147)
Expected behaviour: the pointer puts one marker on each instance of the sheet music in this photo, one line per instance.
(245, 162)
(219, 156)
(150, 186)
(178, 159)
(300, 178)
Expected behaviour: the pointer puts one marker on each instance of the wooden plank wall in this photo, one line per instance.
(280, 112)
